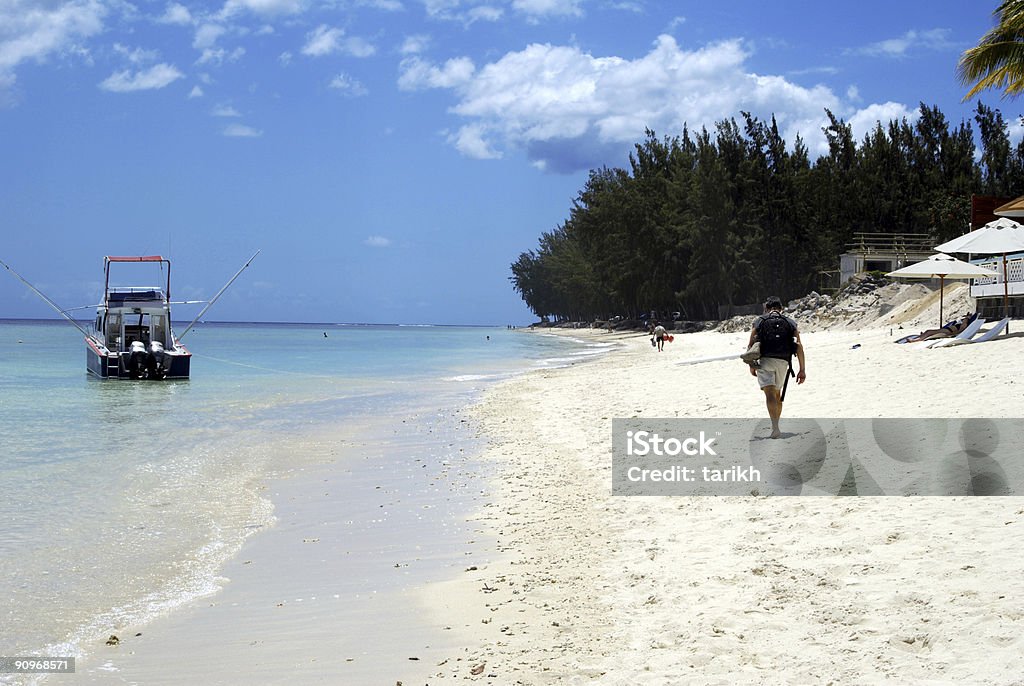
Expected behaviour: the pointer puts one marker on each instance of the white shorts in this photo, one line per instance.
(772, 372)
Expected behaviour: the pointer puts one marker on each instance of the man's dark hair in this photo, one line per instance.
(773, 302)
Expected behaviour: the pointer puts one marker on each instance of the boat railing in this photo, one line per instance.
(135, 294)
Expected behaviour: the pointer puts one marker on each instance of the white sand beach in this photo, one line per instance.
(590, 588)
(547, 578)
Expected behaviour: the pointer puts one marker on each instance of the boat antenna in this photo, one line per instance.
(49, 302)
(219, 293)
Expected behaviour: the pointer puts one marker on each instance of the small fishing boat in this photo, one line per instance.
(131, 337)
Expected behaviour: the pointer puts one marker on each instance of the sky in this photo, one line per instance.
(392, 158)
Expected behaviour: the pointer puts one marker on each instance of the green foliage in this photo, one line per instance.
(705, 220)
(998, 59)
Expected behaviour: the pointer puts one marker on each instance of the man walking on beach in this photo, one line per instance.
(779, 340)
(659, 335)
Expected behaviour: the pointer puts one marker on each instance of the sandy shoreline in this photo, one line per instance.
(329, 593)
(539, 576)
(593, 588)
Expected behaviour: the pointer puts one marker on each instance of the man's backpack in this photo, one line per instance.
(775, 333)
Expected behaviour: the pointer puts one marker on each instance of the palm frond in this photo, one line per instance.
(997, 62)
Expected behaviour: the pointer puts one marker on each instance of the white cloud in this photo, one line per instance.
(34, 31)
(137, 55)
(176, 14)
(220, 55)
(414, 45)
(348, 85)
(386, 5)
(934, 39)
(153, 78)
(378, 242)
(196, 92)
(207, 35)
(225, 111)
(241, 131)
(675, 24)
(483, 13)
(452, 10)
(469, 140)
(325, 40)
(263, 7)
(568, 109)
(358, 47)
(863, 121)
(417, 74)
(542, 8)
(1015, 130)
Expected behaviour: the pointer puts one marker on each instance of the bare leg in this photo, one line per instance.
(774, 403)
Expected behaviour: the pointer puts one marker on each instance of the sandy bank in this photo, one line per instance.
(594, 588)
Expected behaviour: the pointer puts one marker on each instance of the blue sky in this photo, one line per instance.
(391, 158)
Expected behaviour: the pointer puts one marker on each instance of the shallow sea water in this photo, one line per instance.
(122, 500)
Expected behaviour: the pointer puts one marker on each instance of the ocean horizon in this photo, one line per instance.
(126, 498)
(217, 322)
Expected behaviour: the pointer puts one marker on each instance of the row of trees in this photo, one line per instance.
(726, 217)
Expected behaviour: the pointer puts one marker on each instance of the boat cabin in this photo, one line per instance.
(134, 314)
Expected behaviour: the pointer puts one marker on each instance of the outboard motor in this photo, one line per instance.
(158, 362)
(137, 360)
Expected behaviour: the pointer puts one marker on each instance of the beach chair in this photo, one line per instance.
(964, 336)
(991, 333)
(987, 336)
(951, 328)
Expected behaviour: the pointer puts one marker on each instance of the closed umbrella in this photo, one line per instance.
(998, 237)
(942, 267)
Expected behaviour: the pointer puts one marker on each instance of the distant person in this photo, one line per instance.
(659, 336)
(779, 340)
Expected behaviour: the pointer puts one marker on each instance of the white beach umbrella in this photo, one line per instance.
(1014, 208)
(942, 267)
(998, 237)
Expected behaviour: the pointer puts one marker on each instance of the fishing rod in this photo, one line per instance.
(219, 293)
(49, 302)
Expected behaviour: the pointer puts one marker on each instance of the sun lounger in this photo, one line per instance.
(987, 336)
(964, 335)
(947, 330)
(991, 333)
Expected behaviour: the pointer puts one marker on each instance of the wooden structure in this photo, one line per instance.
(884, 252)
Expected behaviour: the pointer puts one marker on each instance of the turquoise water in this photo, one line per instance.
(122, 500)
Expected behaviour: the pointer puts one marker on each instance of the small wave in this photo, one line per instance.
(473, 377)
(556, 362)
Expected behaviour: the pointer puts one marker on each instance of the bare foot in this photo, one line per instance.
(776, 433)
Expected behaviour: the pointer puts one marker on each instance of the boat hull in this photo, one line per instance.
(105, 364)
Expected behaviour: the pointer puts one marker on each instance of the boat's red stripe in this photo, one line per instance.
(92, 344)
(144, 258)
